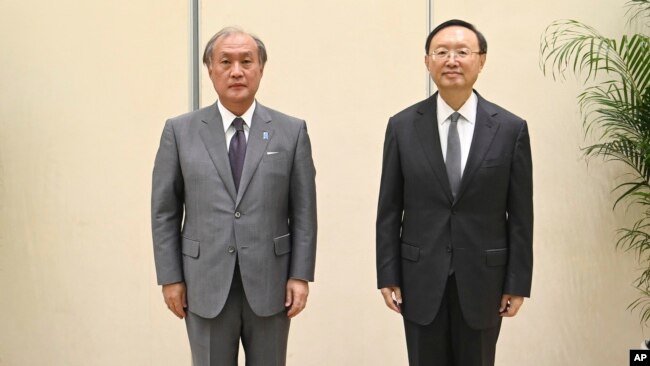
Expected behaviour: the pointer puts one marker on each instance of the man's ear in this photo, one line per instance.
(483, 58)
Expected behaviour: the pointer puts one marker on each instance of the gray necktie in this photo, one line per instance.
(453, 155)
(237, 151)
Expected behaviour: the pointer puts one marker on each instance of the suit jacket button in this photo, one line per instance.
(231, 249)
(448, 249)
(237, 214)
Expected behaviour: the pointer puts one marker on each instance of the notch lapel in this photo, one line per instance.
(214, 139)
(426, 127)
(255, 147)
(484, 132)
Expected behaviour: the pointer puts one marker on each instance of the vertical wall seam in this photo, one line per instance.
(194, 61)
(429, 29)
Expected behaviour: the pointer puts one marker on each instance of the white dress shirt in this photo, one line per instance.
(227, 117)
(466, 124)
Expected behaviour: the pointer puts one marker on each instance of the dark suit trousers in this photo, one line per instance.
(448, 340)
(215, 342)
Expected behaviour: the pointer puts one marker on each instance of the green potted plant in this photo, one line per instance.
(615, 106)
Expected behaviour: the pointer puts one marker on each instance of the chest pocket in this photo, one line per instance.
(276, 162)
(496, 162)
(271, 156)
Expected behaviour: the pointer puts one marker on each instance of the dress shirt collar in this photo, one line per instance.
(227, 116)
(467, 111)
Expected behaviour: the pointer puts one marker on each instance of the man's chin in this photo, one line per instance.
(453, 80)
(451, 86)
(238, 97)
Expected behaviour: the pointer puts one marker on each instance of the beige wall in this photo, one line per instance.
(85, 88)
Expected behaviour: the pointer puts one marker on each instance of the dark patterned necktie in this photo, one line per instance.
(453, 155)
(237, 151)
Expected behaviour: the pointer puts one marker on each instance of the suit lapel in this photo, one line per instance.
(484, 132)
(255, 147)
(426, 127)
(214, 139)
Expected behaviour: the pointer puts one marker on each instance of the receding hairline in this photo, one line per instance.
(227, 32)
(231, 35)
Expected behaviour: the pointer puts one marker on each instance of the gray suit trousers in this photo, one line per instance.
(215, 341)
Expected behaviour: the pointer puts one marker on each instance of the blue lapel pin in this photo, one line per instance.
(265, 135)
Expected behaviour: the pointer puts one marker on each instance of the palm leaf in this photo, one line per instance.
(615, 107)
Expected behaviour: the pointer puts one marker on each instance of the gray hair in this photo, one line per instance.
(207, 54)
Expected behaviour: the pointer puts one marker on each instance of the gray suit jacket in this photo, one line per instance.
(201, 225)
(486, 233)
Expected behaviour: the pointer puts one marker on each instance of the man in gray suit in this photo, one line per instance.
(455, 216)
(234, 213)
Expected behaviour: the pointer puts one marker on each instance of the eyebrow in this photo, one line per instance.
(457, 45)
(245, 53)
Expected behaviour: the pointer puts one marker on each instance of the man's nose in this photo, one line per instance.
(236, 70)
(452, 59)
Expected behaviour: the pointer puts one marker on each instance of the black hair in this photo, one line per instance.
(482, 42)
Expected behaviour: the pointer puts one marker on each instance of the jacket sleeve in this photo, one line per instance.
(389, 214)
(167, 198)
(520, 218)
(302, 210)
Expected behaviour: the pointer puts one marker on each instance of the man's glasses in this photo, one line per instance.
(443, 53)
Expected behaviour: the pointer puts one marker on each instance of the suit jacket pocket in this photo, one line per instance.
(496, 257)
(270, 156)
(282, 244)
(277, 164)
(410, 252)
(491, 163)
(190, 248)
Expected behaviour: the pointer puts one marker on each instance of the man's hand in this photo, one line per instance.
(510, 305)
(392, 298)
(296, 296)
(175, 298)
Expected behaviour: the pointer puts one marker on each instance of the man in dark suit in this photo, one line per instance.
(234, 214)
(455, 215)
